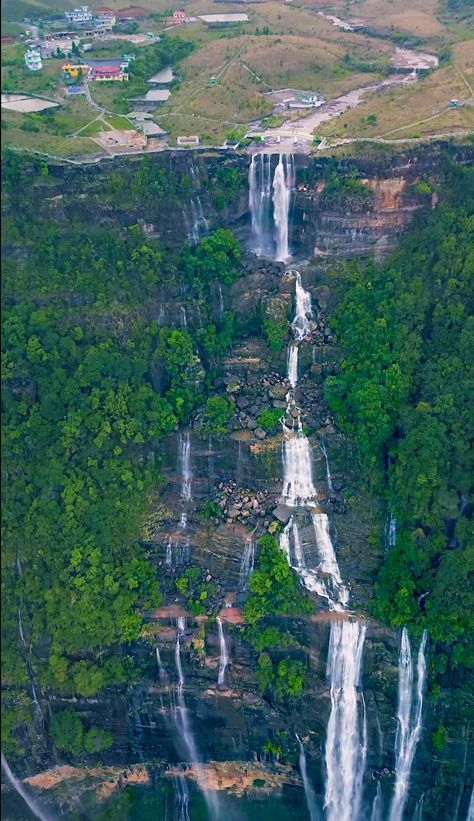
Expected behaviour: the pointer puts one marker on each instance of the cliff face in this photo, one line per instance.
(241, 473)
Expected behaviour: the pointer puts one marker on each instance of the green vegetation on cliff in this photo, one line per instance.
(405, 392)
(91, 385)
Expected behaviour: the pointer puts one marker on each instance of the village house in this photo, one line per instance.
(33, 60)
(82, 14)
(177, 18)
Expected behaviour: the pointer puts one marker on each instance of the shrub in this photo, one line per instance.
(269, 419)
(217, 413)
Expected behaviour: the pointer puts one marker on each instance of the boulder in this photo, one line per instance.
(282, 513)
(260, 433)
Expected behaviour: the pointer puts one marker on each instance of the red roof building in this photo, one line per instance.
(108, 73)
(104, 11)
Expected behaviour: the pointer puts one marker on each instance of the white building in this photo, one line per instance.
(82, 14)
(33, 59)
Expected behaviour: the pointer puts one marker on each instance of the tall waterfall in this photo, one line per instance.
(185, 460)
(19, 788)
(224, 656)
(260, 187)
(346, 745)
(300, 324)
(308, 790)
(409, 718)
(246, 565)
(269, 203)
(346, 742)
(183, 726)
(281, 207)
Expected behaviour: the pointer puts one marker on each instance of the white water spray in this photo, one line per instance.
(409, 716)
(346, 745)
(224, 656)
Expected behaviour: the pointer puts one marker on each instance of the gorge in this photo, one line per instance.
(210, 714)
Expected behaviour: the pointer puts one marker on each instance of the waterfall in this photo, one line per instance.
(182, 798)
(346, 742)
(183, 521)
(418, 814)
(376, 814)
(183, 726)
(298, 487)
(269, 204)
(470, 809)
(184, 458)
(224, 656)
(391, 532)
(409, 716)
(19, 788)
(300, 324)
(221, 299)
(345, 749)
(339, 595)
(161, 670)
(20, 628)
(246, 565)
(184, 320)
(292, 365)
(322, 447)
(260, 203)
(281, 207)
(308, 790)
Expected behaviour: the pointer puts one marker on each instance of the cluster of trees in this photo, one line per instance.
(404, 393)
(275, 590)
(91, 385)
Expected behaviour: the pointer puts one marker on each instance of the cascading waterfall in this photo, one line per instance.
(308, 790)
(300, 325)
(346, 746)
(19, 788)
(224, 656)
(183, 726)
(246, 565)
(185, 460)
(346, 742)
(281, 207)
(409, 717)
